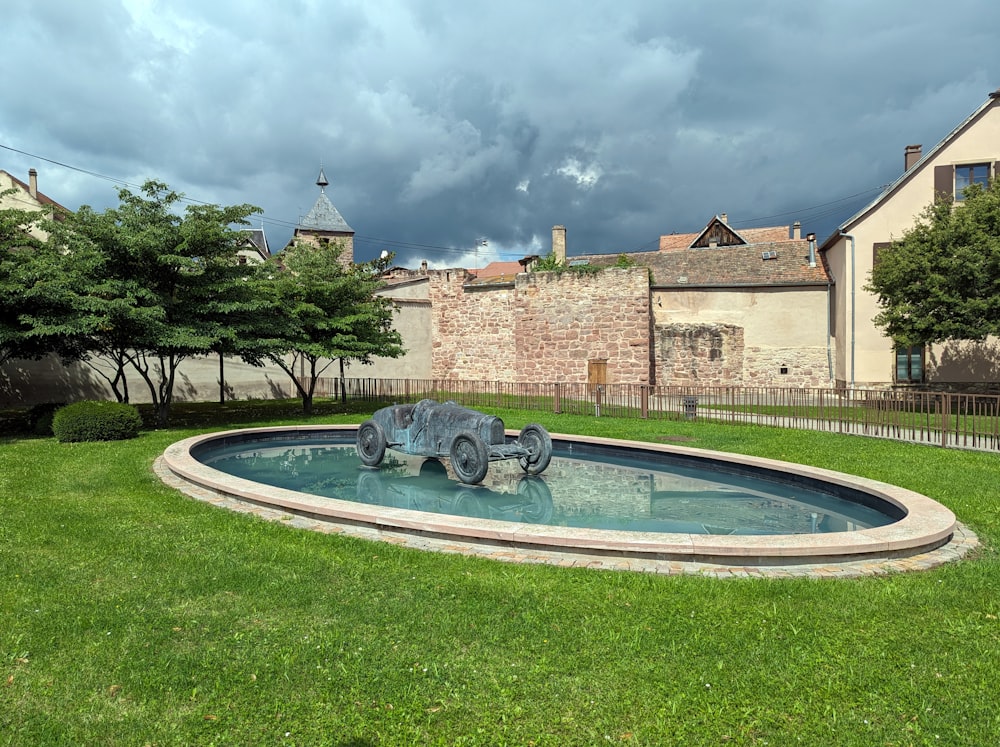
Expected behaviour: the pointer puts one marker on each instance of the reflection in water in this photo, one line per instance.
(578, 489)
(432, 490)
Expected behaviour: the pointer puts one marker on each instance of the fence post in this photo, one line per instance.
(945, 417)
(557, 399)
(644, 394)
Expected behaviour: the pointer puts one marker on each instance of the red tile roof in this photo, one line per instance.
(43, 199)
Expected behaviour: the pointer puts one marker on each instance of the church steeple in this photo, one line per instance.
(324, 222)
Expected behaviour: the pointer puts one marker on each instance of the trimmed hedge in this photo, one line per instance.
(96, 421)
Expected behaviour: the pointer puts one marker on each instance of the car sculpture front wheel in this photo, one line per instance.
(371, 443)
(537, 441)
(469, 458)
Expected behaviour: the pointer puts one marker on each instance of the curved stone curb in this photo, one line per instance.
(962, 540)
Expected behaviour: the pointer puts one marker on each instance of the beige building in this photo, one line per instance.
(865, 357)
(18, 195)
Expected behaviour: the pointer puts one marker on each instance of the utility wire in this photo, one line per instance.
(832, 207)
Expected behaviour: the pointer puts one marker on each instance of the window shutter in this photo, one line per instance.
(877, 247)
(996, 170)
(944, 181)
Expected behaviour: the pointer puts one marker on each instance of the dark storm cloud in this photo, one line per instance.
(439, 123)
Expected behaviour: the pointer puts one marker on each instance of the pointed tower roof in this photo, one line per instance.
(324, 216)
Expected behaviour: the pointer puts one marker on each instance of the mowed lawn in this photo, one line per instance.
(131, 614)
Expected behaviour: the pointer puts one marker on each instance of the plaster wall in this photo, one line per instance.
(742, 336)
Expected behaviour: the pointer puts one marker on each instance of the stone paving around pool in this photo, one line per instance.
(962, 542)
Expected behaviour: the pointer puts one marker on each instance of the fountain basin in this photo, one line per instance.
(925, 524)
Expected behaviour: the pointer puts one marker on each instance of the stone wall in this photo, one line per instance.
(472, 332)
(698, 354)
(542, 327)
(565, 320)
(786, 367)
(716, 355)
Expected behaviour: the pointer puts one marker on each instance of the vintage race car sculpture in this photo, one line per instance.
(470, 439)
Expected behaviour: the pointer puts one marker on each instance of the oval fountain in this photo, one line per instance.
(513, 516)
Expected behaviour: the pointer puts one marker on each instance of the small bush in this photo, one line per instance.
(96, 421)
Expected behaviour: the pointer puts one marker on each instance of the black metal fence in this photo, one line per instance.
(944, 419)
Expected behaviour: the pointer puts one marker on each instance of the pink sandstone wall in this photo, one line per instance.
(568, 319)
(471, 332)
(546, 327)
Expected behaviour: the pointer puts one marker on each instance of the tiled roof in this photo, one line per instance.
(42, 198)
(324, 217)
(673, 242)
(256, 237)
(499, 268)
(729, 266)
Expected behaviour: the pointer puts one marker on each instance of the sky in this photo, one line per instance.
(441, 123)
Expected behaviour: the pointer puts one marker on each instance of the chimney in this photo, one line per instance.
(796, 230)
(811, 238)
(33, 183)
(559, 243)
(911, 155)
(724, 218)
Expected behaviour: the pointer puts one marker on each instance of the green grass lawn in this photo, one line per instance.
(132, 615)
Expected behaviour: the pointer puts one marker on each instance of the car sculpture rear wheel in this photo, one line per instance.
(371, 443)
(469, 458)
(537, 441)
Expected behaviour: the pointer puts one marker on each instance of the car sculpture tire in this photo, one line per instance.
(371, 443)
(370, 488)
(537, 441)
(535, 492)
(469, 458)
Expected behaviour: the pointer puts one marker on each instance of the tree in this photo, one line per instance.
(941, 280)
(40, 288)
(16, 243)
(324, 311)
(167, 287)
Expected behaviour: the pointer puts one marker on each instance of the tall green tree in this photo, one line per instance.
(40, 290)
(16, 242)
(325, 311)
(169, 285)
(941, 280)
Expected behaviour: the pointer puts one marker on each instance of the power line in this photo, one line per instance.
(262, 217)
(832, 207)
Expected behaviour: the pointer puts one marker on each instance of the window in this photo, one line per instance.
(877, 248)
(910, 364)
(966, 174)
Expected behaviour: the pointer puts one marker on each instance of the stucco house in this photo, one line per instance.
(865, 357)
(25, 196)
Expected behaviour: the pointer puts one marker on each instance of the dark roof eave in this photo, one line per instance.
(710, 286)
(487, 285)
